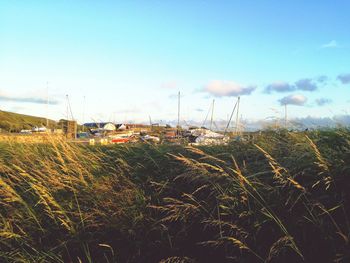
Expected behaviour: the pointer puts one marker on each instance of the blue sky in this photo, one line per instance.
(130, 58)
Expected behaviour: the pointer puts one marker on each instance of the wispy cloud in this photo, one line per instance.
(323, 101)
(344, 78)
(294, 99)
(279, 86)
(219, 88)
(330, 44)
(36, 100)
(306, 84)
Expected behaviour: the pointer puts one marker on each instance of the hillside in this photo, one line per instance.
(15, 122)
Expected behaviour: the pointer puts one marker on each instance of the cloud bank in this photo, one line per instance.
(219, 88)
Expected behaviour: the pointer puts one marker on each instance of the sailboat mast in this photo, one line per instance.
(83, 120)
(228, 123)
(285, 116)
(178, 111)
(67, 109)
(47, 104)
(237, 115)
(212, 114)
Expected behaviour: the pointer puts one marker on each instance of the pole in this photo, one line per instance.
(212, 114)
(206, 117)
(285, 116)
(47, 104)
(83, 113)
(237, 115)
(228, 123)
(178, 112)
(70, 108)
(67, 107)
(150, 122)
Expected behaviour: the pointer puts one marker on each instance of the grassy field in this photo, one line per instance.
(282, 197)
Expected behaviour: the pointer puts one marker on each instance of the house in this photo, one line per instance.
(102, 126)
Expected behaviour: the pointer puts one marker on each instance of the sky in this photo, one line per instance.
(127, 60)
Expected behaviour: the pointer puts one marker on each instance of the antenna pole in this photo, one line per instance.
(212, 114)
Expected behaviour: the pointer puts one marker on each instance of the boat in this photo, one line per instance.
(120, 137)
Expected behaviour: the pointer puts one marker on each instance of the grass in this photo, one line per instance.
(14, 122)
(281, 197)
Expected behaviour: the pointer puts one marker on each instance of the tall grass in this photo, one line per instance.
(280, 197)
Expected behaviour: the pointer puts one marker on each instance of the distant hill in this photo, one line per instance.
(15, 122)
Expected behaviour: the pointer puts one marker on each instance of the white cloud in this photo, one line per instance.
(294, 99)
(331, 44)
(220, 88)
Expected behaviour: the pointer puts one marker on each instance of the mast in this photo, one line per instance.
(285, 115)
(47, 104)
(206, 116)
(178, 112)
(67, 108)
(228, 123)
(212, 114)
(150, 122)
(237, 115)
(83, 113)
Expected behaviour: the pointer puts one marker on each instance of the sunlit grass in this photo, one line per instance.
(280, 197)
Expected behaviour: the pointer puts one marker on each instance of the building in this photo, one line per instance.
(103, 126)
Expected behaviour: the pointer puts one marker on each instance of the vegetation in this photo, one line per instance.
(14, 122)
(281, 197)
